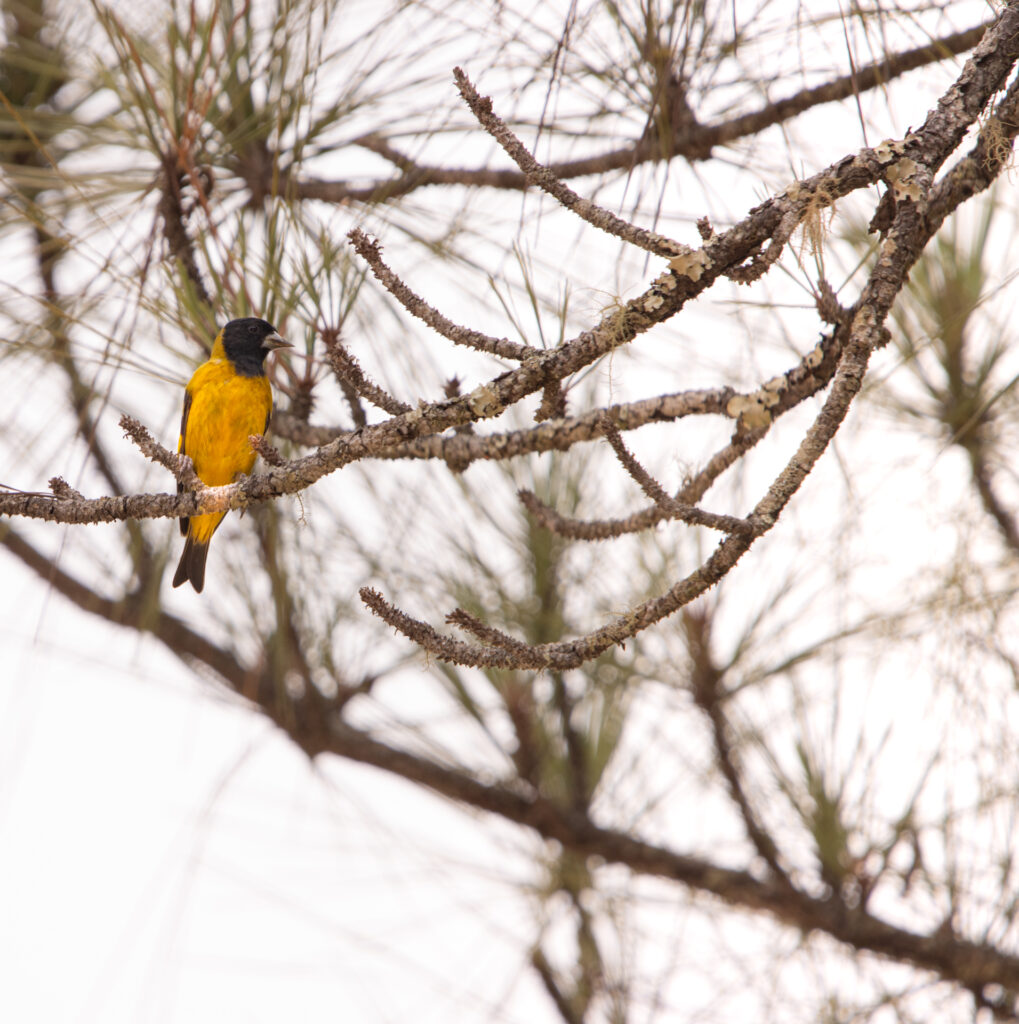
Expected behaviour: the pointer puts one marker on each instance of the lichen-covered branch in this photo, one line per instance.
(908, 166)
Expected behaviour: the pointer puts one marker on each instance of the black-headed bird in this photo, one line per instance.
(226, 401)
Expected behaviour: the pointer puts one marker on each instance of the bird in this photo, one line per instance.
(226, 401)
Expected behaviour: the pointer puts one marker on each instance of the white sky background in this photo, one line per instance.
(166, 856)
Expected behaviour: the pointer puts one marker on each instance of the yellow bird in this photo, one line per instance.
(226, 401)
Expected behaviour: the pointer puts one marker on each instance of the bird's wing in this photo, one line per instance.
(181, 444)
(182, 447)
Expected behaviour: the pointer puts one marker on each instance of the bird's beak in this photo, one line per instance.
(275, 341)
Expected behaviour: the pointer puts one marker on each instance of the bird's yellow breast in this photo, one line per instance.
(226, 409)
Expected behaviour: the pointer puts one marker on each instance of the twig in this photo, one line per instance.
(545, 179)
(693, 141)
(425, 636)
(671, 508)
(486, 634)
(369, 250)
(349, 373)
(180, 465)
(269, 453)
(706, 685)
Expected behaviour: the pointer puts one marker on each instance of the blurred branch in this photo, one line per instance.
(706, 686)
(951, 958)
(559, 998)
(171, 212)
(129, 611)
(691, 139)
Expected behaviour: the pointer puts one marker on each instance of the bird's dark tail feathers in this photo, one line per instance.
(192, 564)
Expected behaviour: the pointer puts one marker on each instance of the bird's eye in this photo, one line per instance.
(252, 329)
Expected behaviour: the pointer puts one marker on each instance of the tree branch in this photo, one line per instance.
(371, 252)
(691, 140)
(543, 178)
(130, 611)
(951, 958)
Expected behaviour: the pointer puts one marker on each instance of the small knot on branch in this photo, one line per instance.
(267, 451)
(829, 308)
(553, 402)
(63, 490)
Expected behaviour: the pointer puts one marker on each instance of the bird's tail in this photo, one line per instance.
(192, 563)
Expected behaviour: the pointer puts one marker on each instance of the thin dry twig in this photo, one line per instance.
(350, 375)
(180, 465)
(545, 179)
(371, 252)
(691, 140)
(706, 684)
(483, 632)
(270, 454)
(670, 507)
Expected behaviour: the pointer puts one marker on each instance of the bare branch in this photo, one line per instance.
(670, 507)
(370, 251)
(180, 465)
(692, 140)
(350, 375)
(486, 634)
(978, 170)
(536, 174)
(553, 435)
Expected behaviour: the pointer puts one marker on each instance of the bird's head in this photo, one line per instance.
(246, 343)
